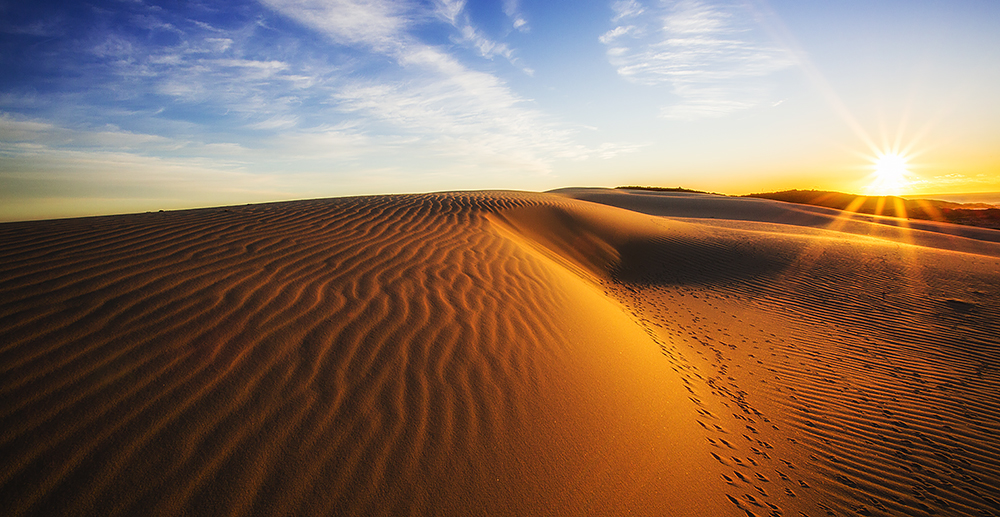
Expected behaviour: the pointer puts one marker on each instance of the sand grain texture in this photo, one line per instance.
(498, 353)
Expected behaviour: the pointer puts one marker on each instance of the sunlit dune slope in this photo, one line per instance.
(498, 353)
(385, 355)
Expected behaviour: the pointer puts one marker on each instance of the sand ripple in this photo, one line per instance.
(264, 357)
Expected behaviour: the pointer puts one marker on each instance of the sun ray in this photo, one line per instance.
(856, 204)
(901, 210)
(931, 210)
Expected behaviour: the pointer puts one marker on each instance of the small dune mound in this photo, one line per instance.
(614, 244)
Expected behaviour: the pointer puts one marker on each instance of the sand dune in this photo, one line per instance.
(717, 209)
(579, 352)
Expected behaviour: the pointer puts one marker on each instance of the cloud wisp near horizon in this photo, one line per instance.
(134, 105)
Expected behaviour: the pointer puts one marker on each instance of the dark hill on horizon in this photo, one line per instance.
(971, 214)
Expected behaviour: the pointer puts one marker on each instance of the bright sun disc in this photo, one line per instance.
(890, 175)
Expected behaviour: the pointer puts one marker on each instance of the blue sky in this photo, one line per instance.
(132, 105)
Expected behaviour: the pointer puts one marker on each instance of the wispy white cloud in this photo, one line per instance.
(714, 60)
(452, 11)
(238, 86)
(512, 9)
(374, 23)
(276, 122)
(462, 112)
(21, 136)
(32, 133)
(54, 182)
(609, 150)
(214, 70)
(441, 102)
(609, 37)
(486, 47)
(626, 9)
(449, 10)
(50, 170)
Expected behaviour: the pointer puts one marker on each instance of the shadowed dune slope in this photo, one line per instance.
(608, 244)
(498, 353)
(396, 355)
(856, 375)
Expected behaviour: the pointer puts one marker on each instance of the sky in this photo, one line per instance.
(119, 106)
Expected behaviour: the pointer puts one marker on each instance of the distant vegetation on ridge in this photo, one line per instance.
(666, 189)
(971, 214)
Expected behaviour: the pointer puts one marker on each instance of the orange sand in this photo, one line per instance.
(582, 352)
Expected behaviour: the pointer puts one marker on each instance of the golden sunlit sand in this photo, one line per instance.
(579, 352)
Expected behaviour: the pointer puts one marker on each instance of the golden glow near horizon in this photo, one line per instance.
(890, 176)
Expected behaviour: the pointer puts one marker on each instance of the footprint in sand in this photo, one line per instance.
(719, 459)
(752, 500)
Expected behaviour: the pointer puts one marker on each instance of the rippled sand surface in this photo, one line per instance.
(578, 352)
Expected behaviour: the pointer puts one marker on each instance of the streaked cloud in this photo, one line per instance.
(513, 11)
(441, 101)
(449, 10)
(461, 111)
(47, 170)
(467, 34)
(626, 9)
(608, 37)
(375, 23)
(712, 56)
(19, 132)
(86, 171)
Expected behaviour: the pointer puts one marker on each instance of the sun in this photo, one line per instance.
(891, 174)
